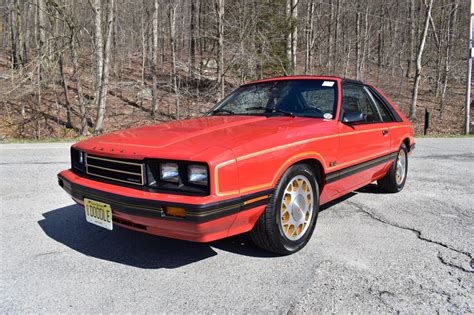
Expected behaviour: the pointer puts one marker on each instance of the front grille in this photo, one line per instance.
(117, 170)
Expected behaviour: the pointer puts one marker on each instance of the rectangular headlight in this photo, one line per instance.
(169, 172)
(197, 174)
(78, 160)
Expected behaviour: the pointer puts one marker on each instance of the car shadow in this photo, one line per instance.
(371, 189)
(68, 226)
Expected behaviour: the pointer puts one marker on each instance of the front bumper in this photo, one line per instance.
(204, 222)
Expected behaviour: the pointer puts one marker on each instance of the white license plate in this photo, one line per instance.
(98, 213)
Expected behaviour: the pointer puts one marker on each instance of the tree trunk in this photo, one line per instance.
(309, 31)
(172, 24)
(13, 40)
(26, 34)
(77, 79)
(41, 27)
(41, 44)
(104, 82)
(358, 40)
(20, 32)
(330, 52)
(336, 55)
(192, 42)
(412, 38)
(294, 33)
(311, 36)
(449, 43)
(220, 31)
(99, 60)
(416, 85)
(365, 49)
(145, 47)
(154, 58)
(65, 89)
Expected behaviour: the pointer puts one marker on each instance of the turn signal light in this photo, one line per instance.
(175, 212)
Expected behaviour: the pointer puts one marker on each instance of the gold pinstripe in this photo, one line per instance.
(258, 153)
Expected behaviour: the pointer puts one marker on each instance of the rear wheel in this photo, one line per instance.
(289, 219)
(395, 179)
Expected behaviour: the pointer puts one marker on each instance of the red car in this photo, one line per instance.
(262, 160)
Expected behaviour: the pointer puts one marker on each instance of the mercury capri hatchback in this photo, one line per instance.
(263, 161)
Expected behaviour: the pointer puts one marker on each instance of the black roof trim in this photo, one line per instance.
(351, 81)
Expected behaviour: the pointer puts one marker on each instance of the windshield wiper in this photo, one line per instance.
(273, 110)
(223, 110)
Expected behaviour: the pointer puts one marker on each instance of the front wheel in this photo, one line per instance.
(395, 179)
(289, 219)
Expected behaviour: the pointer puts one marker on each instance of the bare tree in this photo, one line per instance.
(13, 37)
(292, 39)
(103, 59)
(172, 6)
(358, 42)
(220, 35)
(310, 37)
(154, 58)
(77, 78)
(192, 42)
(412, 37)
(450, 31)
(419, 55)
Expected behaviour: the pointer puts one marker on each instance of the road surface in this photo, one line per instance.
(371, 252)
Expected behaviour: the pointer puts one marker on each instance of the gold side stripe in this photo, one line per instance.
(362, 165)
(362, 160)
(255, 200)
(247, 156)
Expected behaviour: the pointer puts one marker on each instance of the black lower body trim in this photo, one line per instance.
(155, 209)
(354, 169)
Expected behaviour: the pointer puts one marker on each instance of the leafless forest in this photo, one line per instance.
(71, 68)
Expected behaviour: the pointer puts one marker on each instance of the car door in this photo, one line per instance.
(361, 145)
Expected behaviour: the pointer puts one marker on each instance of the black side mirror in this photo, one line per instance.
(353, 117)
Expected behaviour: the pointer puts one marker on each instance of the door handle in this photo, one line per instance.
(385, 132)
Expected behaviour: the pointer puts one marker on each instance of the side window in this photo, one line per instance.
(356, 99)
(381, 108)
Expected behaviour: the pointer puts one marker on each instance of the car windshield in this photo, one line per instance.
(306, 98)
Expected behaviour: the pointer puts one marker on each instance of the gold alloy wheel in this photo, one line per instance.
(296, 207)
(401, 167)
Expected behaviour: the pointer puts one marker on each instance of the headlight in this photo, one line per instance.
(169, 172)
(197, 174)
(81, 158)
(180, 177)
(78, 160)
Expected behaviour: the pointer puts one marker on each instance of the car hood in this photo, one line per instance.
(191, 139)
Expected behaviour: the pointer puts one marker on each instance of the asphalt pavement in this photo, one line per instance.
(409, 252)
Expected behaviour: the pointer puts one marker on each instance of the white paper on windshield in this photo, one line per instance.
(328, 83)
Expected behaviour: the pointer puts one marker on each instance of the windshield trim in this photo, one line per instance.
(212, 111)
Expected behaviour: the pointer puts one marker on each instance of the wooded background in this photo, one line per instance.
(72, 68)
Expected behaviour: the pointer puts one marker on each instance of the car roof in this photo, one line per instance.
(306, 77)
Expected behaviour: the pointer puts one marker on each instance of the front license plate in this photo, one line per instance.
(98, 213)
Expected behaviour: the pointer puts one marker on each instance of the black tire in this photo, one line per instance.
(268, 233)
(389, 183)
